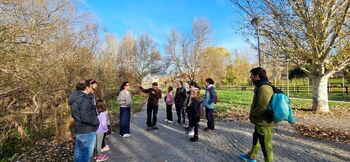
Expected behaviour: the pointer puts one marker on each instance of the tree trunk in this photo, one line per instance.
(320, 93)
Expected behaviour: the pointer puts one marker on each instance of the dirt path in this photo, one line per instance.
(226, 143)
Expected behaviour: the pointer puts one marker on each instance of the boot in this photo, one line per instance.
(194, 139)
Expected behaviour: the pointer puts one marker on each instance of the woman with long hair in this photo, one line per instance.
(124, 99)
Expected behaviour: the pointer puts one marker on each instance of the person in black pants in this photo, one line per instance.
(169, 100)
(154, 94)
(194, 110)
(180, 97)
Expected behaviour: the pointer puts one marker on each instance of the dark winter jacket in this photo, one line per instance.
(194, 110)
(83, 113)
(153, 95)
(180, 95)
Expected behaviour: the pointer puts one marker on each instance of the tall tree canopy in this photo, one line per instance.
(311, 34)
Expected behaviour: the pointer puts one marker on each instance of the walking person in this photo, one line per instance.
(154, 94)
(208, 103)
(194, 110)
(86, 122)
(124, 99)
(102, 129)
(261, 117)
(169, 101)
(180, 97)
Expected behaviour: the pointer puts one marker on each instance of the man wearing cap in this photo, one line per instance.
(154, 94)
(85, 121)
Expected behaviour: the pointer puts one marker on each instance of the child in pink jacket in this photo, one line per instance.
(169, 101)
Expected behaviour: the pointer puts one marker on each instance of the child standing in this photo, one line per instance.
(169, 101)
(194, 110)
(101, 108)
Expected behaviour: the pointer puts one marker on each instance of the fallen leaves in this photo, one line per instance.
(323, 133)
(233, 115)
(48, 150)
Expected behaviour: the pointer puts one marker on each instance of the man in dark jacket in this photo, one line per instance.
(180, 97)
(261, 117)
(154, 94)
(85, 122)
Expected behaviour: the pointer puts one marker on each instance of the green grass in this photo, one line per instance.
(113, 106)
(331, 96)
(237, 100)
(233, 100)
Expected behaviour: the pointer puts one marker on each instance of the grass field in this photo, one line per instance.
(229, 100)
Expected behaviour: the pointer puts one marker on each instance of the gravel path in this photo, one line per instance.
(226, 143)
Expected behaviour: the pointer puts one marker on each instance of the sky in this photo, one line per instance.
(158, 17)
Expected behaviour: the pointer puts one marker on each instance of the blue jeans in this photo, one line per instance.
(84, 146)
(124, 120)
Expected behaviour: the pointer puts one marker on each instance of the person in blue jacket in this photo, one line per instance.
(208, 103)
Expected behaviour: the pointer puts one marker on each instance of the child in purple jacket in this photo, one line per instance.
(102, 128)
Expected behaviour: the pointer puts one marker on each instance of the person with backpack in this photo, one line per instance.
(261, 117)
(154, 94)
(208, 103)
(169, 101)
(86, 122)
(180, 97)
(124, 100)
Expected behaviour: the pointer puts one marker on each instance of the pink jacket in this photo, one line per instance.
(169, 98)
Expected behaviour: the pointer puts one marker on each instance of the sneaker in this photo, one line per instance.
(106, 148)
(170, 121)
(126, 135)
(246, 158)
(191, 133)
(101, 157)
(165, 120)
(148, 129)
(155, 127)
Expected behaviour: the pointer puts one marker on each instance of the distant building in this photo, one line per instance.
(338, 74)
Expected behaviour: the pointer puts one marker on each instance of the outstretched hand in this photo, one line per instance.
(138, 84)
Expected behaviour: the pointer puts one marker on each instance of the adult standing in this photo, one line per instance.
(85, 122)
(261, 117)
(93, 86)
(180, 97)
(124, 99)
(92, 95)
(209, 103)
(154, 94)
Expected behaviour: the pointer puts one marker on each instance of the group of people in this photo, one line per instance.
(188, 103)
(91, 116)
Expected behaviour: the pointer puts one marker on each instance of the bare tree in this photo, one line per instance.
(312, 34)
(146, 59)
(184, 52)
